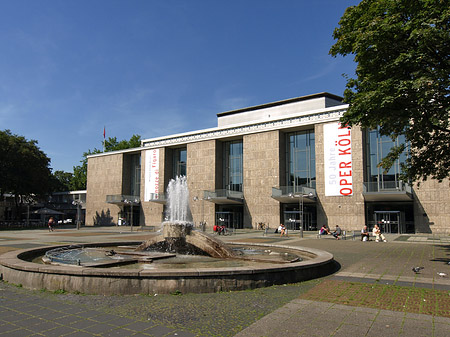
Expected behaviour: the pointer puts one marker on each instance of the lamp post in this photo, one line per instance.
(300, 202)
(130, 202)
(78, 204)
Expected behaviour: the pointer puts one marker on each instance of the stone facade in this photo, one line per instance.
(264, 168)
(104, 177)
(261, 173)
(345, 211)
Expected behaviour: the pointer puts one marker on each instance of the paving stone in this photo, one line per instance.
(158, 330)
(138, 326)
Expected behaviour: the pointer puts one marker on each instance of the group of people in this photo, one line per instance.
(365, 235)
(325, 231)
(376, 231)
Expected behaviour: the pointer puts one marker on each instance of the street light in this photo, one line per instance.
(300, 201)
(130, 202)
(78, 204)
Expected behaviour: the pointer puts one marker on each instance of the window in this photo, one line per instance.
(179, 162)
(233, 163)
(378, 147)
(135, 183)
(301, 158)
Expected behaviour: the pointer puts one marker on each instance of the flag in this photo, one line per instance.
(104, 132)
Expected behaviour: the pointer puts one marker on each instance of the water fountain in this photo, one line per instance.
(234, 269)
(178, 235)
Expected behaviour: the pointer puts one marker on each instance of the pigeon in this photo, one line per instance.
(442, 274)
(448, 262)
(417, 269)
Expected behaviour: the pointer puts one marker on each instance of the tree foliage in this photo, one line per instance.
(24, 168)
(402, 84)
(79, 179)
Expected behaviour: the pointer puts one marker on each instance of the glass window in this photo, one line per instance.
(233, 165)
(135, 174)
(179, 162)
(378, 147)
(302, 159)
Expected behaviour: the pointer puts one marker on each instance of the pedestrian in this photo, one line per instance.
(51, 222)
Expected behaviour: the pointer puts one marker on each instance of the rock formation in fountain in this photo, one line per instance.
(178, 234)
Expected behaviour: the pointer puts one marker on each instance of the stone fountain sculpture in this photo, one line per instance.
(178, 234)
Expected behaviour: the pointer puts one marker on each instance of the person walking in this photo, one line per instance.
(51, 223)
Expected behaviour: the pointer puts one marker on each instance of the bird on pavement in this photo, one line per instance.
(417, 269)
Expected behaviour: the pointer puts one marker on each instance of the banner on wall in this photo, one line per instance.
(337, 144)
(151, 174)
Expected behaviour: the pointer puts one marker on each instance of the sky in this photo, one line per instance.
(70, 69)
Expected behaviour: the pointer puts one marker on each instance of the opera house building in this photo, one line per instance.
(288, 162)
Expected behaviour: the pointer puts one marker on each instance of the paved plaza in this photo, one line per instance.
(373, 292)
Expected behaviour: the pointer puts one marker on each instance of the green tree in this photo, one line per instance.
(24, 169)
(402, 84)
(62, 181)
(79, 180)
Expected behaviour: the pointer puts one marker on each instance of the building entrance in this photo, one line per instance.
(390, 221)
(229, 219)
(291, 218)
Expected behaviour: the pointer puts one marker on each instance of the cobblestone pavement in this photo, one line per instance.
(274, 311)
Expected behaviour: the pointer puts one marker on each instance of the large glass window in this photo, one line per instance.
(378, 147)
(233, 163)
(301, 158)
(179, 162)
(135, 185)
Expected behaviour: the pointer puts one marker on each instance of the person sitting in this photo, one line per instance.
(337, 233)
(364, 234)
(378, 235)
(282, 229)
(324, 230)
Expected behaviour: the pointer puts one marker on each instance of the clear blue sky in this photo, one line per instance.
(154, 68)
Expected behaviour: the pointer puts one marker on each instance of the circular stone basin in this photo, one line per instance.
(164, 277)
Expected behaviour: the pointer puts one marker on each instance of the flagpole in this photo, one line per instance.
(104, 139)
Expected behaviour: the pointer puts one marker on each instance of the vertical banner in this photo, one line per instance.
(151, 174)
(337, 144)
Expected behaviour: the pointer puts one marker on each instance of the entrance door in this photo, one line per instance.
(229, 219)
(292, 220)
(390, 221)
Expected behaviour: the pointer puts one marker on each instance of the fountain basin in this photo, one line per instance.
(16, 268)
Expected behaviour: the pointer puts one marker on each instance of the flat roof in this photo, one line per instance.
(286, 101)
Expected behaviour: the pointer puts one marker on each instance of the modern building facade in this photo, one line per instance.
(285, 162)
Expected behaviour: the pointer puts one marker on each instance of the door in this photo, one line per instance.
(389, 221)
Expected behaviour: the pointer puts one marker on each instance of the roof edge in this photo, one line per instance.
(286, 101)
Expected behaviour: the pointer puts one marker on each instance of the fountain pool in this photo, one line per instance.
(179, 259)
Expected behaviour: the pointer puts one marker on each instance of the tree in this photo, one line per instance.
(24, 169)
(402, 84)
(79, 180)
(62, 181)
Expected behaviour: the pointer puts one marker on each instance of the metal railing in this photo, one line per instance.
(223, 193)
(291, 190)
(118, 198)
(387, 186)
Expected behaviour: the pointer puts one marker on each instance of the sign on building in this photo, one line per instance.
(151, 174)
(337, 144)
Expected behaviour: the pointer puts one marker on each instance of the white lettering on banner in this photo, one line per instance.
(337, 159)
(151, 174)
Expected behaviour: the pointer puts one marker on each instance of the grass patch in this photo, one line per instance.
(381, 296)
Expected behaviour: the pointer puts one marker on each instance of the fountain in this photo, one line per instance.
(232, 269)
(178, 235)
